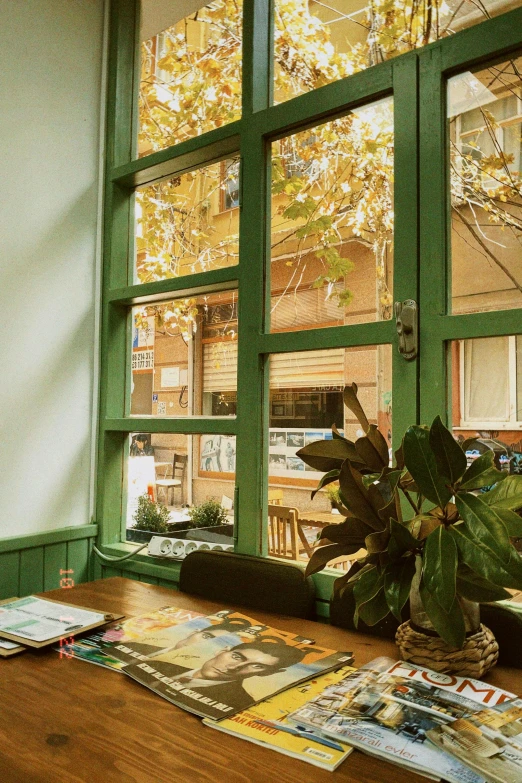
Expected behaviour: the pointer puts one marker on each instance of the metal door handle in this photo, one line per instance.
(407, 328)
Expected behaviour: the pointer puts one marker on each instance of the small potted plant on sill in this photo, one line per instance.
(432, 535)
(209, 522)
(150, 519)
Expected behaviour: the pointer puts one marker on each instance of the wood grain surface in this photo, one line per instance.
(66, 721)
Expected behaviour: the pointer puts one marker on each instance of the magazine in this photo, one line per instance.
(229, 672)
(120, 643)
(191, 628)
(265, 724)
(388, 709)
(489, 741)
(37, 621)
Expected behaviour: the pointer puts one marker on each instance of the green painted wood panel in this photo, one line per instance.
(31, 571)
(55, 560)
(108, 572)
(9, 574)
(78, 556)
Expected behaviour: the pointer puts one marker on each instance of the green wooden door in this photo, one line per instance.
(470, 230)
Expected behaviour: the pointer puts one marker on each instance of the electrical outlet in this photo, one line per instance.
(178, 549)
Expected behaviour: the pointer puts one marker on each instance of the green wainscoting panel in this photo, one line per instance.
(32, 564)
(9, 573)
(31, 570)
(55, 560)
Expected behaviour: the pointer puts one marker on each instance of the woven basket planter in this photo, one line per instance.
(478, 656)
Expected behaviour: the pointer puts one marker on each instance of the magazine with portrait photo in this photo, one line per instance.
(228, 673)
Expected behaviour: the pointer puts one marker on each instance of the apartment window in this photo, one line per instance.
(490, 371)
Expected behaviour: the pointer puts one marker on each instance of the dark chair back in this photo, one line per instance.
(252, 582)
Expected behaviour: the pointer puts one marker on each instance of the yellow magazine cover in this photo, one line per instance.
(265, 724)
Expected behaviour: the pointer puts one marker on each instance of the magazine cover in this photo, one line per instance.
(265, 724)
(110, 647)
(175, 632)
(489, 742)
(230, 672)
(388, 709)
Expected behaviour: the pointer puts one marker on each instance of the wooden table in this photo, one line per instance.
(319, 518)
(67, 721)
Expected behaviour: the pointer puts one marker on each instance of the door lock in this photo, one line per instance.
(406, 321)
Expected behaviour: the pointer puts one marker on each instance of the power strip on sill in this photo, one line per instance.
(178, 549)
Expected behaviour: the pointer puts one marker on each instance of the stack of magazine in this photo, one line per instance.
(444, 727)
(225, 665)
(284, 692)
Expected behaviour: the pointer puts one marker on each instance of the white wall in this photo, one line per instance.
(50, 94)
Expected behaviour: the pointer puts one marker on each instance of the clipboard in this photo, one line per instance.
(108, 617)
(7, 653)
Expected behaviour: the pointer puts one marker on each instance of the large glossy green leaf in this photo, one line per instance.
(481, 559)
(374, 610)
(482, 522)
(473, 587)
(449, 625)
(350, 532)
(377, 542)
(373, 449)
(439, 562)
(506, 494)
(482, 472)
(356, 498)
(368, 592)
(401, 540)
(449, 457)
(327, 455)
(352, 403)
(397, 583)
(420, 461)
(511, 520)
(328, 478)
(323, 555)
(369, 454)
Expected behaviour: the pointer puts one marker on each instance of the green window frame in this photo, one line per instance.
(416, 80)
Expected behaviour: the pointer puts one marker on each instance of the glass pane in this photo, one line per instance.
(190, 70)
(332, 222)
(184, 357)
(183, 486)
(188, 224)
(485, 133)
(306, 399)
(319, 41)
(485, 401)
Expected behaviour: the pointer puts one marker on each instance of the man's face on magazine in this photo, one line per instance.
(234, 664)
(200, 636)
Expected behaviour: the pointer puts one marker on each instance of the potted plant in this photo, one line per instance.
(431, 533)
(209, 523)
(150, 519)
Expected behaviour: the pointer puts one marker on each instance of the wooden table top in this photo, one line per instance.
(320, 518)
(68, 721)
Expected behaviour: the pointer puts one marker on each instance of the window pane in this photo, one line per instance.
(332, 222)
(181, 473)
(184, 357)
(485, 378)
(485, 136)
(186, 224)
(319, 41)
(190, 70)
(306, 399)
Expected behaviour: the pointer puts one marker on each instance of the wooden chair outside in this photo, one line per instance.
(179, 464)
(286, 540)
